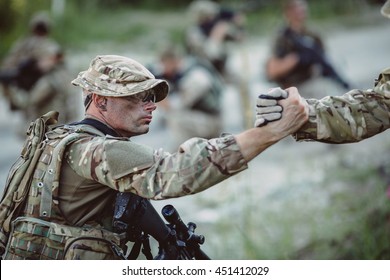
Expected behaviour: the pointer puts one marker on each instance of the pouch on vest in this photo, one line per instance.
(19, 177)
(36, 239)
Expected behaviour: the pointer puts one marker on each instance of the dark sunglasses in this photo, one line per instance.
(144, 97)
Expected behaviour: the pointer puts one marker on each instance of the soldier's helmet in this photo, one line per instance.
(118, 76)
(201, 10)
(386, 9)
(40, 22)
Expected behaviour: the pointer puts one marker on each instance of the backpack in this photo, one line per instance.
(44, 235)
(19, 177)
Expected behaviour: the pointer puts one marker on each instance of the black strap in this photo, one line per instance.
(99, 126)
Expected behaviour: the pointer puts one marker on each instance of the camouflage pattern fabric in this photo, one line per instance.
(58, 220)
(351, 117)
(51, 92)
(37, 239)
(41, 231)
(95, 168)
(118, 76)
(19, 178)
(27, 48)
(209, 36)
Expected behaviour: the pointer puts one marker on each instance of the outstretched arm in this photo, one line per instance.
(295, 113)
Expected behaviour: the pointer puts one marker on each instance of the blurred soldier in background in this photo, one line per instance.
(213, 28)
(34, 75)
(299, 59)
(20, 68)
(193, 108)
(351, 117)
(53, 90)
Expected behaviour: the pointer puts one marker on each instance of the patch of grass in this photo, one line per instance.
(346, 216)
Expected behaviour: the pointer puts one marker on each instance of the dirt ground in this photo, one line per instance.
(359, 53)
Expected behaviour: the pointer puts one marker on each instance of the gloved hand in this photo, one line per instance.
(267, 107)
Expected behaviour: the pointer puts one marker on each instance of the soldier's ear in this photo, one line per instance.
(100, 102)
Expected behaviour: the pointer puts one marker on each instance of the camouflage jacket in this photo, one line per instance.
(26, 48)
(97, 166)
(51, 92)
(352, 117)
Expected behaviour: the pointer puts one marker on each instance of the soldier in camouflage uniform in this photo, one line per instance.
(30, 46)
(52, 91)
(75, 185)
(299, 57)
(352, 117)
(23, 59)
(190, 111)
(212, 30)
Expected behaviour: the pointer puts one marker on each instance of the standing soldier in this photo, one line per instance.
(351, 117)
(53, 90)
(191, 111)
(299, 58)
(37, 80)
(213, 28)
(20, 70)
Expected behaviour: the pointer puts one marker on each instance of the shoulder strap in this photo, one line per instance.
(51, 181)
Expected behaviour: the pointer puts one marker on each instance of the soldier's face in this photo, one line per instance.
(129, 116)
(297, 13)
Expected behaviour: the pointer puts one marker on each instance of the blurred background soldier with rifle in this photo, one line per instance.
(299, 58)
(20, 69)
(212, 29)
(34, 75)
(190, 111)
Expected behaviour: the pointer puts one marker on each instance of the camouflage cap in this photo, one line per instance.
(40, 18)
(386, 9)
(201, 9)
(117, 76)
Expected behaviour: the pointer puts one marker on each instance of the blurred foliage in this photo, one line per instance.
(89, 21)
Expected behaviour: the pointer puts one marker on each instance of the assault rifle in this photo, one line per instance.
(137, 217)
(228, 14)
(310, 55)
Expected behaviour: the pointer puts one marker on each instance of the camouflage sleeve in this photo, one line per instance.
(351, 117)
(127, 166)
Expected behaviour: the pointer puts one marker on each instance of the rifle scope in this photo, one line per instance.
(172, 216)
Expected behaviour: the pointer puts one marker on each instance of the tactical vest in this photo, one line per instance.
(42, 232)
